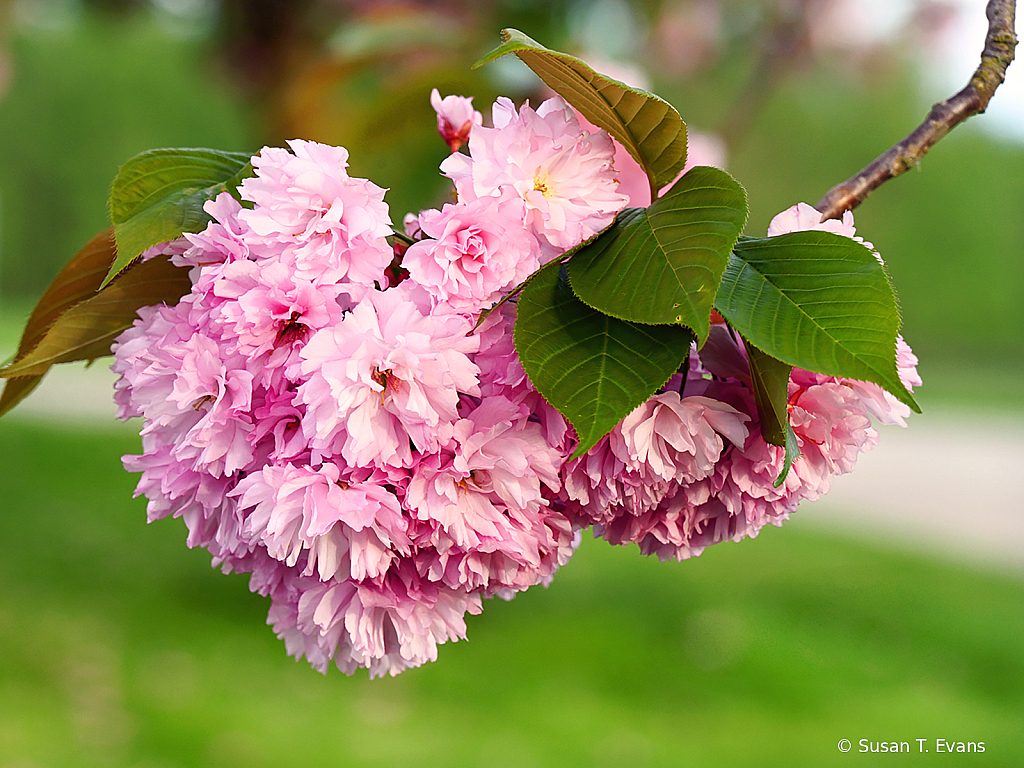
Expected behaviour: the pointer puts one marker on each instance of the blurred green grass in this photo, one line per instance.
(120, 647)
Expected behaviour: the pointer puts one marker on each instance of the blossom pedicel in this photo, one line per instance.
(376, 462)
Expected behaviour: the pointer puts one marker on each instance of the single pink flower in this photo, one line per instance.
(483, 520)
(879, 404)
(184, 386)
(385, 628)
(266, 311)
(306, 205)
(472, 253)
(802, 217)
(680, 439)
(345, 529)
(665, 443)
(561, 176)
(386, 380)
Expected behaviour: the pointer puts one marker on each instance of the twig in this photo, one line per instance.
(944, 116)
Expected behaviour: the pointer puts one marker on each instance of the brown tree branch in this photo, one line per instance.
(1000, 43)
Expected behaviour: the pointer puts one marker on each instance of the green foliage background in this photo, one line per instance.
(80, 102)
(120, 647)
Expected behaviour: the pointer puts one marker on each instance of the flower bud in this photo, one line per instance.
(455, 118)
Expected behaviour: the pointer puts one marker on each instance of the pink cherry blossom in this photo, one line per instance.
(345, 530)
(481, 507)
(384, 379)
(306, 205)
(663, 444)
(224, 239)
(173, 489)
(561, 176)
(277, 426)
(219, 393)
(183, 387)
(680, 439)
(501, 372)
(802, 217)
(265, 310)
(473, 252)
(385, 628)
(879, 404)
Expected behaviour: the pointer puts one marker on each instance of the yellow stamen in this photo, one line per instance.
(202, 401)
(387, 381)
(542, 185)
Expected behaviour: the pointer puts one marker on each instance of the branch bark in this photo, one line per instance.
(1000, 43)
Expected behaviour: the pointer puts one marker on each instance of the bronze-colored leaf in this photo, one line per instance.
(86, 330)
(75, 283)
(78, 281)
(16, 390)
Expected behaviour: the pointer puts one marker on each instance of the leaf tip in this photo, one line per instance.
(118, 267)
(15, 390)
(506, 46)
(584, 446)
(910, 401)
(700, 334)
(792, 453)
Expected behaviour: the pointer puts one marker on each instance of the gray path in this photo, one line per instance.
(951, 483)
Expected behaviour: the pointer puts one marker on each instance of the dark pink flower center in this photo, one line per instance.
(290, 330)
(387, 380)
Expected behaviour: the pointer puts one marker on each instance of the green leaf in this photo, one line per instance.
(86, 330)
(159, 194)
(662, 264)
(770, 380)
(593, 368)
(646, 125)
(512, 294)
(818, 301)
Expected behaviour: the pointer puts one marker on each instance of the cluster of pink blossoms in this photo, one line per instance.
(322, 414)
(683, 472)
